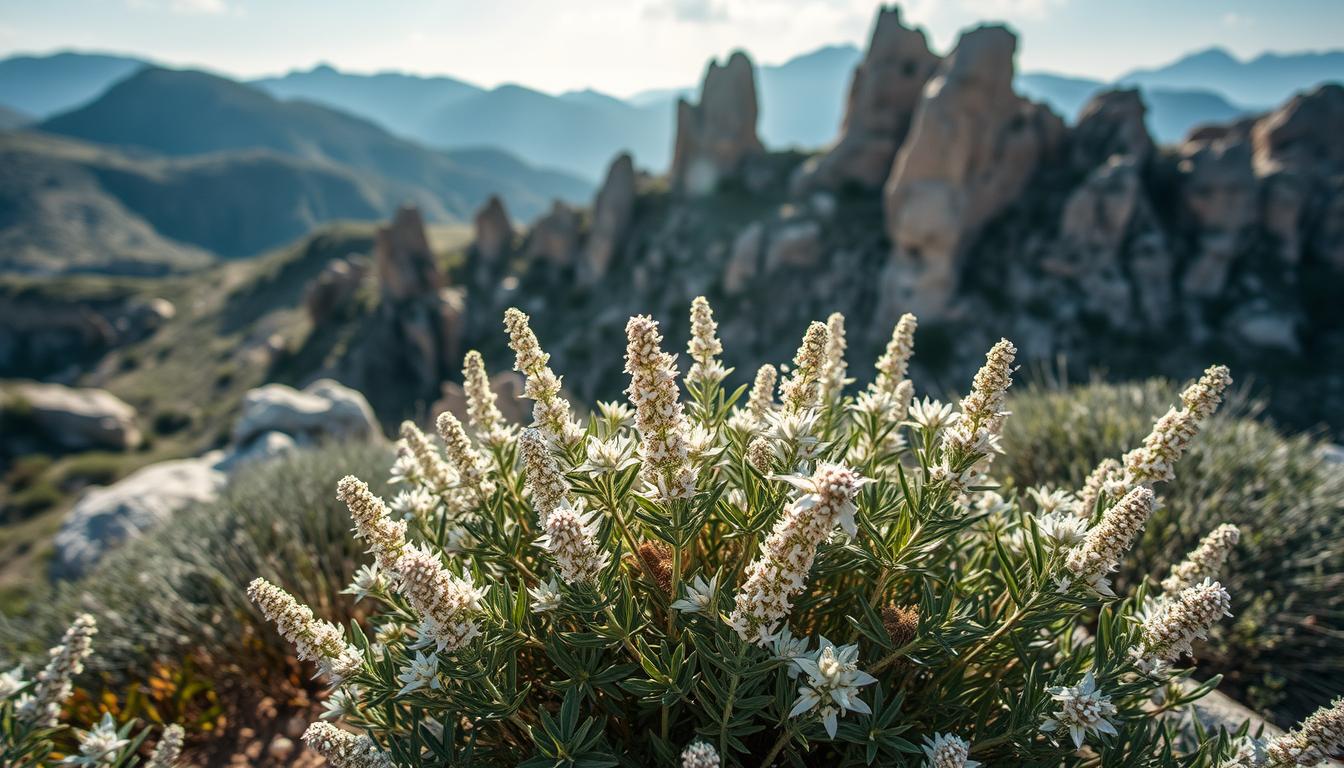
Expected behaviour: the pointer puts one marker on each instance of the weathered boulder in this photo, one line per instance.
(403, 260)
(1219, 193)
(744, 259)
(104, 518)
(612, 210)
(76, 418)
(554, 238)
(883, 95)
(1303, 134)
(716, 135)
(324, 409)
(972, 148)
(1111, 124)
(494, 231)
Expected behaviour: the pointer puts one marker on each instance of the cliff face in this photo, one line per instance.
(982, 212)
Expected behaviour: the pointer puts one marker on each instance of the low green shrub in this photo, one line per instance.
(1284, 650)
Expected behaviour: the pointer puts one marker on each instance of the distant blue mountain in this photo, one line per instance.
(1171, 112)
(1262, 82)
(41, 86)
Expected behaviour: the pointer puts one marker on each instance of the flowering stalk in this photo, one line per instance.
(433, 471)
(1101, 550)
(1315, 740)
(544, 479)
(799, 391)
(482, 412)
(1155, 460)
(468, 463)
(169, 748)
(386, 537)
(894, 364)
(447, 605)
(551, 411)
(704, 346)
(1106, 481)
(55, 682)
(982, 411)
(315, 640)
(700, 754)
(343, 749)
(1176, 623)
(833, 367)
(663, 428)
(1205, 562)
(787, 554)
(571, 538)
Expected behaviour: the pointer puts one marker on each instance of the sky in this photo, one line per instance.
(626, 46)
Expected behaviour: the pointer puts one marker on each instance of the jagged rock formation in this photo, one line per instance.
(883, 95)
(494, 231)
(612, 210)
(49, 339)
(554, 237)
(331, 292)
(716, 135)
(1111, 124)
(972, 149)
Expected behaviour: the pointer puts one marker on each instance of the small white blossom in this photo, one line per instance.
(947, 750)
(11, 682)
(700, 754)
(1062, 529)
(1104, 545)
(545, 596)
(1082, 710)
(930, 415)
(832, 684)
(790, 649)
(699, 596)
(422, 672)
(368, 580)
(342, 703)
(611, 455)
(99, 745)
(664, 431)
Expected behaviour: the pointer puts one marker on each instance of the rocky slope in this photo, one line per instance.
(977, 208)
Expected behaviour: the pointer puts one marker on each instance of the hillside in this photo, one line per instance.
(79, 207)
(183, 112)
(1172, 113)
(45, 85)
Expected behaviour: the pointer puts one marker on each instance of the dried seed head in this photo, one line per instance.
(901, 623)
(760, 455)
(658, 559)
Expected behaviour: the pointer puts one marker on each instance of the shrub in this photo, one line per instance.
(177, 592)
(1285, 647)
(817, 579)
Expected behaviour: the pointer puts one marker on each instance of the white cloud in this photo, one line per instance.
(187, 7)
(689, 11)
(1006, 9)
(1234, 19)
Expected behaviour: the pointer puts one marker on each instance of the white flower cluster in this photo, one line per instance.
(1315, 740)
(663, 429)
(1106, 481)
(482, 413)
(1082, 709)
(700, 754)
(571, 538)
(704, 346)
(315, 640)
(946, 750)
(1108, 541)
(761, 400)
(831, 684)
(386, 537)
(343, 749)
(544, 479)
(894, 365)
(833, 367)
(799, 391)
(787, 554)
(1155, 460)
(982, 410)
(1205, 562)
(430, 470)
(470, 465)
(42, 707)
(1182, 618)
(551, 411)
(447, 605)
(169, 749)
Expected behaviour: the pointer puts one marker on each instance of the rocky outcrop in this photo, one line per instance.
(972, 148)
(55, 336)
(715, 136)
(1219, 195)
(331, 292)
(403, 259)
(554, 238)
(883, 95)
(494, 231)
(612, 210)
(324, 409)
(1112, 123)
(72, 418)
